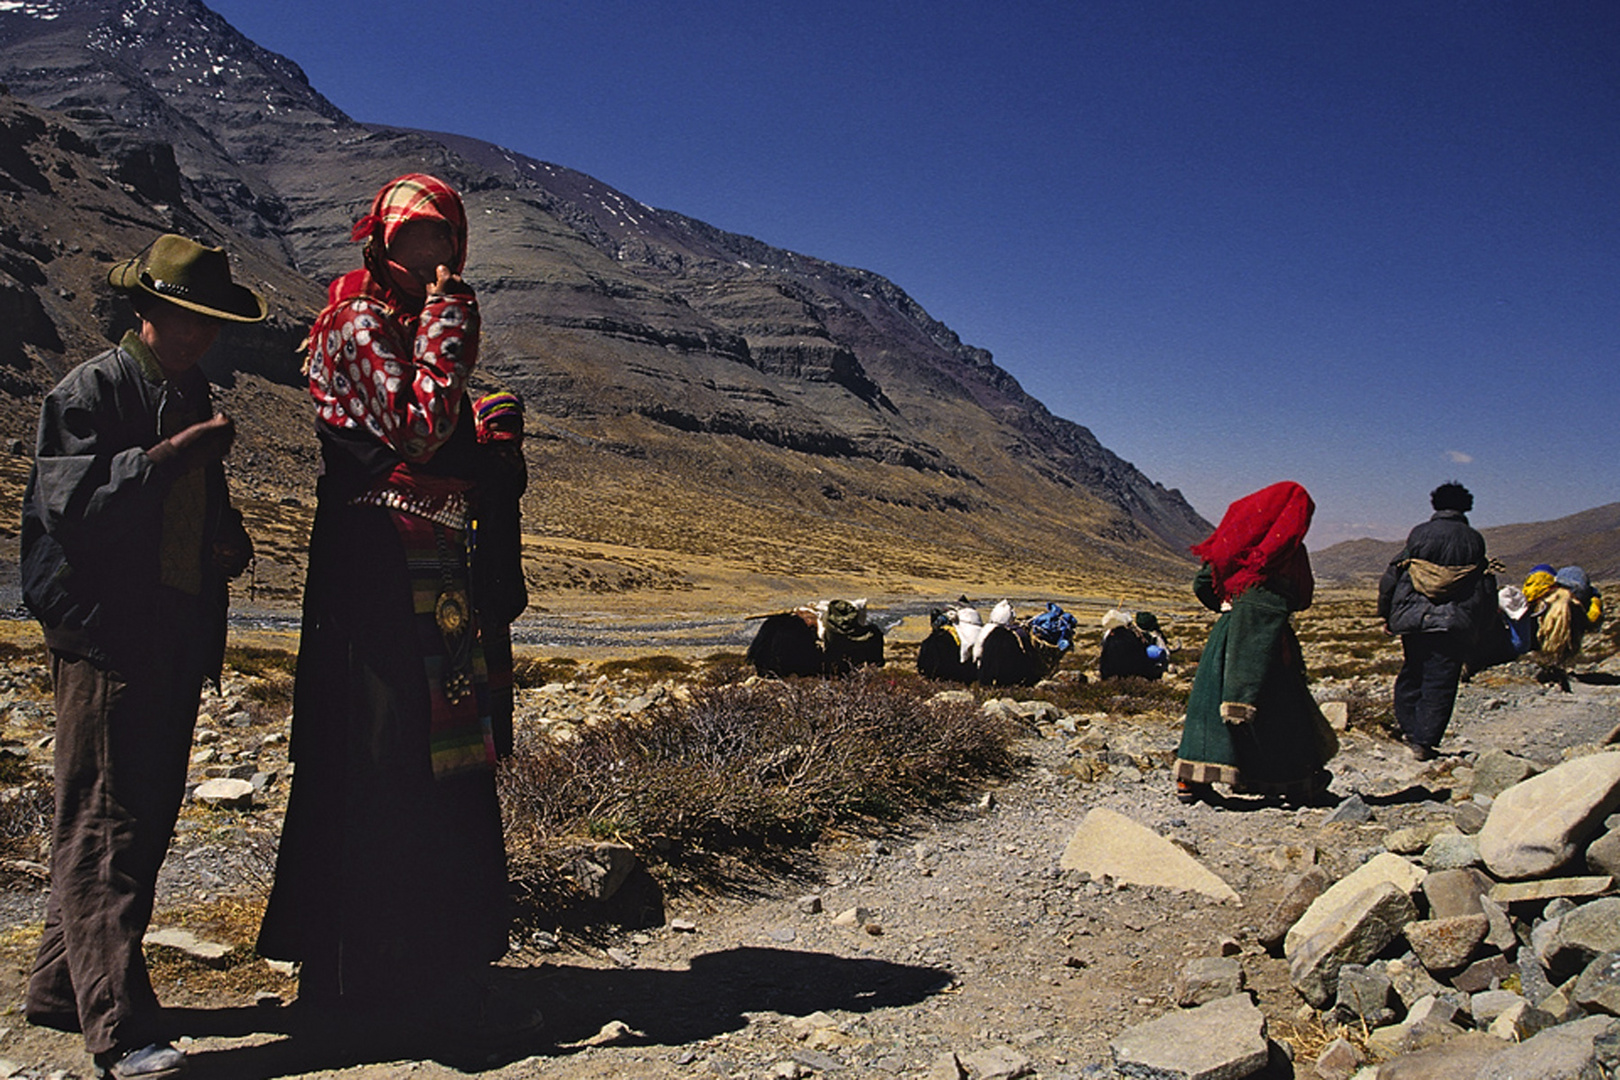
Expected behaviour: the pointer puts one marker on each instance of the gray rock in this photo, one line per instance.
(1447, 944)
(207, 953)
(1412, 1036)
(1487, 1005)
(1364, 996)
(998, 1063)
(1574, 938)
(1469, 817)
(1603, 854)
(946, 1067)
(1520, 892)
(1521, 1021)
(1338, 1060)
(1457, 1059)
(1533, 979)
(1207, 979)
(1412, 839)
(1598, 988)
(1356, 933)
(1411, 982)
(1484, 974)
(1223, 1040)
(225, 794)
(1352, 889)
(1452, 851)
(1353, 810)
(600, 874)
(1299, 891)
(1538, 825)
(1455, 892)
(1498, 770)
(1572, 1051)
(1500, 935)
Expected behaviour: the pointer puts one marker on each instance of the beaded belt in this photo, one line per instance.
(451, 511)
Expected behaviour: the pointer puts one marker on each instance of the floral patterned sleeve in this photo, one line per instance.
(366, 371)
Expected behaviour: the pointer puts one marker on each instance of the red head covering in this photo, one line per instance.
(413, 197)
(1261, 541)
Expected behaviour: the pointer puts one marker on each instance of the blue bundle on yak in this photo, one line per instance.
(832, 638)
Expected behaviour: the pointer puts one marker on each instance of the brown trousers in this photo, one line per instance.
(122, 751)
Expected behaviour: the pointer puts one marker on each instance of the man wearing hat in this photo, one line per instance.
(128, 541)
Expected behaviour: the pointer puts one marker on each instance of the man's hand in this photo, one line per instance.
(200, 444)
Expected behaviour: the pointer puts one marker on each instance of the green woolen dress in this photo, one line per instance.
(1251, 720)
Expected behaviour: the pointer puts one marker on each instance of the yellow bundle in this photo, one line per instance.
(1537, 585)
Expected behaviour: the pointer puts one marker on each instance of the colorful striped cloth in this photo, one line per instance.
(461, 738)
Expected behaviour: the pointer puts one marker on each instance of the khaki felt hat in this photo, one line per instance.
(185, 273)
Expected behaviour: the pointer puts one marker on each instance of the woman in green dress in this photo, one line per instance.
(1251, 721)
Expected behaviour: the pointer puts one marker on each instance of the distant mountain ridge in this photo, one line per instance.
(1589, 539)
(691, 389)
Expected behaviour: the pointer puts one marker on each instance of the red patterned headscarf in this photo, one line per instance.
(413, 197)
(1261, 540)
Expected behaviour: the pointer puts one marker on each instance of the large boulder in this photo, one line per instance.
(1539, 825)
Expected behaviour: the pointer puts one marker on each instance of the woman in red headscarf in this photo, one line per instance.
(1251, 720)
(391, 875)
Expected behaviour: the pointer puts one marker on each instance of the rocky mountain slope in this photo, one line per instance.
(693, 392)
(1589, 539)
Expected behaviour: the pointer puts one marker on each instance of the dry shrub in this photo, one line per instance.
(1130, 696)
(531, 672)
(27, 804)
(746, 769)
(644, 668)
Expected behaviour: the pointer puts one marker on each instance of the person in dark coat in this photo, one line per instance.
(1438, 594)
(390, 887)
(499, 591)
(128, 541)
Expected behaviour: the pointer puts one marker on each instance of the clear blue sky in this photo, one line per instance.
(1368, 246)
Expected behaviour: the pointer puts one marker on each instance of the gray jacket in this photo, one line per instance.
(92, 519)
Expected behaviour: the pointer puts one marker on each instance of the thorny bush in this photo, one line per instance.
(746, 769)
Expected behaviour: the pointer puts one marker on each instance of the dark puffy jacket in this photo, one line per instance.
(92, 518)
(1446, 539)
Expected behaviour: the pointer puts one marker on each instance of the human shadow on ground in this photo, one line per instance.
(659, 1007)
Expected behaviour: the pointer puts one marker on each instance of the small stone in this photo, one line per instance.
(225, 794)
(1339, 1060)
(855, 916)
(1520, 1021)
(810, 905)
(1353, 811)
(683, 926)
(208, 953)
(1208, 978)
(997, 1063)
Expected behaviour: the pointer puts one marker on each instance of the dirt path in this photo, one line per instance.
(973, 941)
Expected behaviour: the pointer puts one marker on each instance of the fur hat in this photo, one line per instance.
(1452, 496)
(188, 275)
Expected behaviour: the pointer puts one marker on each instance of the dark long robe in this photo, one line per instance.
(385, 875)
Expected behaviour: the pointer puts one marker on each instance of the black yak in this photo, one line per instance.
(832, 638)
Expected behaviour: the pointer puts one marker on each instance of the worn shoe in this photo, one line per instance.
(1420, 752)
(1188, 792)
(151, 1062)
